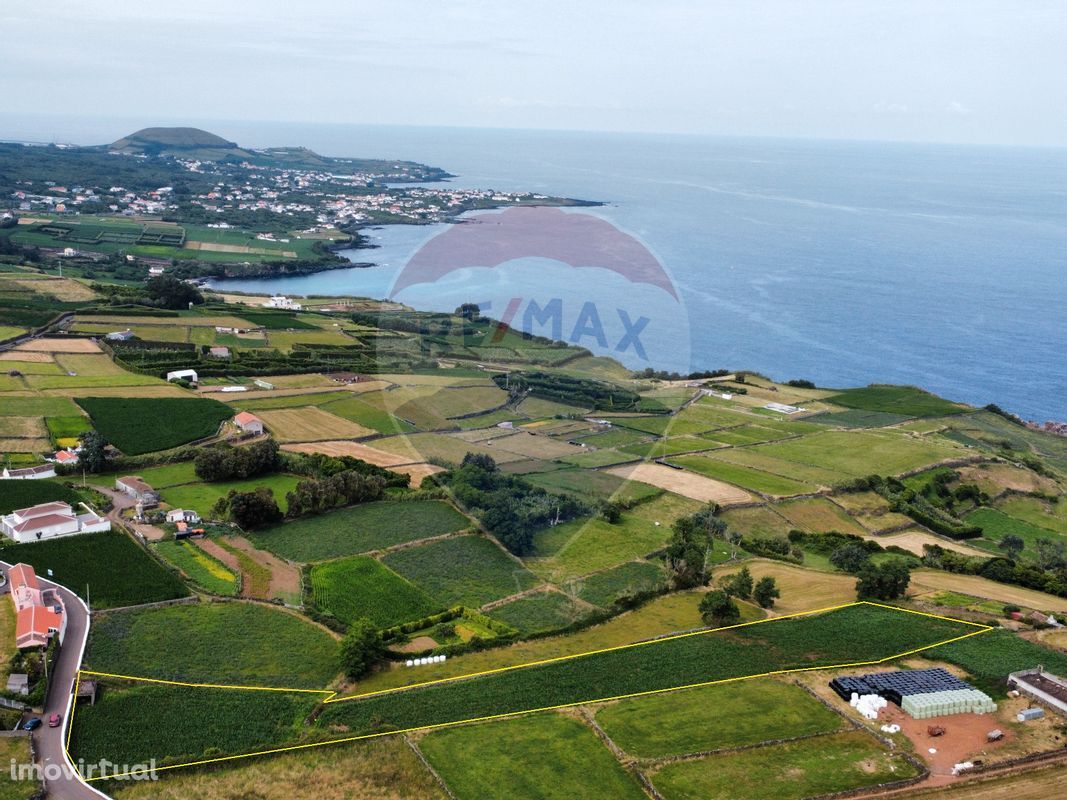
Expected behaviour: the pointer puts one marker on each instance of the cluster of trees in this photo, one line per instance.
(718, 606)
(691, 544)
(508, 507)
(315, 495)
(225, 463)
(933, 505)
(361, 649)
(1048, 573)
(662, 375)
(162, 291)
(317, 465)
(566, 389)
(885, 581)
(250, 510)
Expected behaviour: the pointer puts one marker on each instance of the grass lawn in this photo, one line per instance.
(144, 425)
(223, 642)
(360, 529)
(15, 750)
(548, 756)
(465, 570)
(745, 477)
(198, 567)
(540, 613)
(715, 718)
(909, 401)
(350, 588)
(118, 572)
(202, 496)
(788, 771)
(858, 418)
(626, 580)
(23, 494)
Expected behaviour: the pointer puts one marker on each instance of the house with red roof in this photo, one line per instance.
(249, 423)
(39, 613)
(50, 521)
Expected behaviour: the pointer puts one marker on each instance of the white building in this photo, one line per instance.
(249, 423)
(183, 375)
(50, 521)
(183, 515)
(29, 473)
(281, 301)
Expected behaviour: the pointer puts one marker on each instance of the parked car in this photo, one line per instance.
(32, 724)
(54, 720)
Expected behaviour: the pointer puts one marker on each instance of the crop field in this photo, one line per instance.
(465, 570)
(131, 724)
(555, 756)
(715, 718)
(437, 446)
(818, 515)
(754, 649)
(36, 406)
(616, 437)
(364, 452)
(999, 653)
(789, 771)
(599, 458)
(802, 589)
(670, 447)
(202, 496)
(746, 477)
(757, 521)
(540, 612)
(142, 425)
(57, 345)
(360, 529)
(589, 483)
(858, 453)
(66, 430)
(366, 415)
(686, 484)
(23, 494)
(758, 458)
(359, 586)
(237, 643)
(926, 580)
(115, 571)
(198, 567)
(531, 445)
(627, 580)
(582, 546)
(309, 424)
(906, 400)
(858, 418)
(22, 427)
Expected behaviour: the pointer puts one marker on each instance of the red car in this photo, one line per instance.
(54, 720)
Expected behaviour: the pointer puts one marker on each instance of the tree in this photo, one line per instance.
(718, 608)
(610, 511)
(469, 311)
(850, 557)
(361, 648)
(93, 453)
(766, 591)
(739, 584)
(1012, 544)
(1051, 553)
(168, 292)
(886, 581)
(254, 509)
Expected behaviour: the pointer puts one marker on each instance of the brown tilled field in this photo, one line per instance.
(371, 455)
(687, 484)
(925, 580)
(58, 345)
(309, 424)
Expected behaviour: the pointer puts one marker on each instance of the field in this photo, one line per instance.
(999, 653)
(366, 415)
(996, 525)
(714, 718)
(222, 642)
(802, 589)
(15, 750)
(359, 586)
(592, 483)
(906, 400)
(540, 612)
(549, 756)
(790, 771)
(198, 567)
(1050, 516)
(695, 487)
(626, 580)
(752, 479)
(202, 496)
(110, 566)
(382, 768)
(930, 580)
(37, 407)
(670, 663)
(309, 424)
(23, 494)
(819, 515)
(144, 425)
(360, 529)
(465, 570)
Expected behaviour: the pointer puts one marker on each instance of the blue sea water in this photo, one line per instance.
(841, 262)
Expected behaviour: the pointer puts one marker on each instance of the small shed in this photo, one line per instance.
(18, 683)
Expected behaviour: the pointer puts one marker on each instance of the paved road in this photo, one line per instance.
(51, 742)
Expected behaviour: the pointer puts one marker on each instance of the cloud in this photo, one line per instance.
(958, 108)
(882, 107)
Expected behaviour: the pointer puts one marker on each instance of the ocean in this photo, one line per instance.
(844, 263)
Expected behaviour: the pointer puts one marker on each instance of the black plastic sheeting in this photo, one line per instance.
(895, 686)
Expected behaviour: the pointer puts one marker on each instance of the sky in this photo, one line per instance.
(981, 71)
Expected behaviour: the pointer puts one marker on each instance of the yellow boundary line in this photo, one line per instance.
(331, 696)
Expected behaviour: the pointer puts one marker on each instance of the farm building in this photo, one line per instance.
(281, 301)
(920, 693)
(249, 423)
(262, 384)
(135, 487)
(183, 375)
(183, 515)
(219, 352)
(1046, 688)
(50, 521)
(39, 612)
(120, 336)
(67, 456)
(345, 377)
(29, 473)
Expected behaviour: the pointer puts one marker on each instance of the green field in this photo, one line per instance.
(198, 567)
(790, 771)
(38, 406)
(359, 586)
(626, 580)
(822, 639)
(144, 425)
(355, 410)
(996, 525)
(15, 750)
(547, 756)
(745, 477)
(540, 613)
(669, 447)
(585, 484)
(161, 477)
(360, 529)
(23, 494)
(465, 570)
(715, 718)
(858, 418)
(67, 427)
(991, 657)
(115, 571)
(237, 643)
(202, 496)
(905, 400)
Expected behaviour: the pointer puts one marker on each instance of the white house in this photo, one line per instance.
(183, 375)
(183, 515)
(29, 473)
(50, 521)
(120, 336)
(281, 301)
(136, 487)
(39, 613)
(249, 423)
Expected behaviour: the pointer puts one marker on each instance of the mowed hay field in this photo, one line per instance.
(550, 756)
(310, 423)
(925, 580)
(802, 589)
(695, 487)
(364, 452)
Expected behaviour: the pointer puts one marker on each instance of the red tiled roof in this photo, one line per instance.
(22, 575)
(43, 521)
(35, 621)
(42, 509)
(244, 418)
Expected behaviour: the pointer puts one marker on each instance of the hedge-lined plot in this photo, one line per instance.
(355, 587)
(144, 425)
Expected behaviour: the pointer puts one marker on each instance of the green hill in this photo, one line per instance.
(187, 142)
